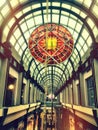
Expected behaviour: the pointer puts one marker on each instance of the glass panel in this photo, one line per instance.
(5, 10)
(75, 51)
(22, 21)
(85, 47)
(89, 41)
(55, 11)
(17, 33)
(66, 6)
(19, 14)
(24, 27)
(90, 22)
(70, 30)
(27, 35)
(95, 31)
(87, 3)
(44, 4)
(64, 20)
(32, 29)
(26, 9)
(81, 41)
(45, 18)
(22, 1)
(90, 91)
(78, 46)
(12, 40)
(21, 40)
(14, 3)
(32, 67)
(37, 13)
(24, 46)
(28, 16)
(64, 13)
(95, 9)
(11, 22)
(85, 33)
(81, 52)
(55, 4)
(78, 27)
(2, 2)
(80, 1)
(73, 17)
(17, 47)
(34, 6)
(76, 10)
(82, 14)
(5, 33)
(72, 23)
(30, 22)
(20, 52)
(38, 20)
(75, 35)
(44, 11)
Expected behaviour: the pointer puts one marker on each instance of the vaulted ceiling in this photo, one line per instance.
(19, 18)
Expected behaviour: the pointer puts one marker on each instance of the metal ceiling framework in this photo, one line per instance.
(21, 17)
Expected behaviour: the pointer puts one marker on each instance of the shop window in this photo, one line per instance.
(90, 91)
(10, 91)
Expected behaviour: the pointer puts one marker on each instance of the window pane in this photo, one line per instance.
(24, 27)
(55, 18)
(95, 9)
(72, 23)
(38, 20)
(90, 22)
(66, 6)
(64, 20)
(14, 3)
(87, 3)
(11, 22)
(12, 40)
(5, 10)
(90, 91)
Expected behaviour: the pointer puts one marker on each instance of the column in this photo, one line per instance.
(5, 54)
(20, 81)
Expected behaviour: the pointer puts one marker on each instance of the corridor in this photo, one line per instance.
(48, 64)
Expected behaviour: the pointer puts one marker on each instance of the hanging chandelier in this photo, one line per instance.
(52, 42)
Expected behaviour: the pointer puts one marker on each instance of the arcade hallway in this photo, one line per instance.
(48, 64)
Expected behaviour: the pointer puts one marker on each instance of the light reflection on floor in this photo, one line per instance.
(30, 125)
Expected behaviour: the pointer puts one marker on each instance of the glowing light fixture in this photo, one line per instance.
(51, 96)
(51, 41)
(11, 87)
(57, 46)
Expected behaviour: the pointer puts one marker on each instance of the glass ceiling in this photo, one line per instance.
(18, 19)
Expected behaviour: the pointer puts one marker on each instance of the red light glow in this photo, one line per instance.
(51, 42)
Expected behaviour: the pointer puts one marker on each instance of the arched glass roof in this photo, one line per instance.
(18, 19)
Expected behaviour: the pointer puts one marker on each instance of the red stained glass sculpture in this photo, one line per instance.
(51, 43)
